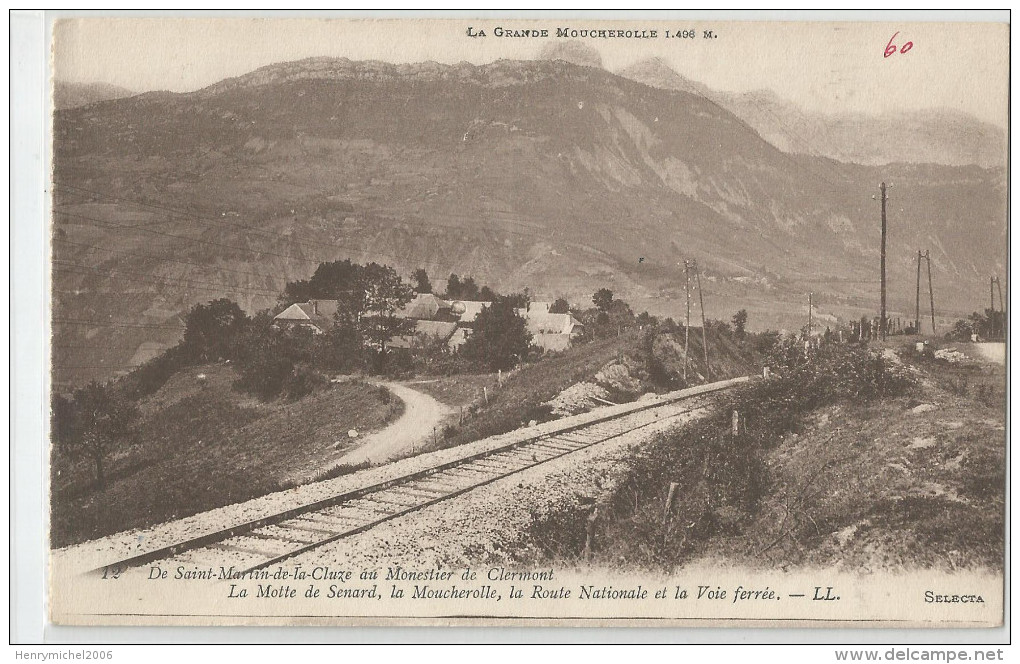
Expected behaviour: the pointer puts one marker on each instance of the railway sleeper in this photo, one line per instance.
(558, 449)
(229, 545)
(530, 456)
(452, 482)
(390, 496)
(518, 462)
(307, 527)
(284, 535)
(434, 492)
(270, 546)
(419, 494)
(571, 444)
(367, 504)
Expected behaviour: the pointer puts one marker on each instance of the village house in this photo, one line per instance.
(425, 331)
(439, 320)
(317, 315)
(426, 306)
(552, 332)
(436, 319)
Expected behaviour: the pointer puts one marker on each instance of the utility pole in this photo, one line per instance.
(931, 291)
(884, 199)
(1002, 309)
(704, 335)
(991, 303)
(687, 324)
(809, 320)
(917, 299)
(993, 283)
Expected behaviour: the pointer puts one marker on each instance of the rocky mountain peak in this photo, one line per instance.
(574, 52)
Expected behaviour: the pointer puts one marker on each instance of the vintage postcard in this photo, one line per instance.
(528, 322)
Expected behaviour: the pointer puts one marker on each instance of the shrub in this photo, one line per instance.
(724, 476)
(303, 381)
(264, 376)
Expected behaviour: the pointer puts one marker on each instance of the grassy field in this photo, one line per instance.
(456, 390)
(914, 481)
(906, 479)
(199, 447)
(521, 397)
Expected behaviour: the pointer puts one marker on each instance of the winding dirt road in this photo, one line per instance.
(421, 413)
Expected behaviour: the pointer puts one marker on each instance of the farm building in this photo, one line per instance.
(426, 306)
(315, 314)
(553, 331)
(466, 311)
(425, 331)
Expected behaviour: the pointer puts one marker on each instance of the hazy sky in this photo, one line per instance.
(830, 67)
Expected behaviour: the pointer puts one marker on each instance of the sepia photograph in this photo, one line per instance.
(532, 322)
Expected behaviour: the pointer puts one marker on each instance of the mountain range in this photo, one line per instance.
(547, 175)
(939, 136)
(72, 95)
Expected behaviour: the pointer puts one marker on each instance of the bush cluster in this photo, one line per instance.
(721, 477)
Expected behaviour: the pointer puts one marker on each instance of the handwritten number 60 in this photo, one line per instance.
(890, 48)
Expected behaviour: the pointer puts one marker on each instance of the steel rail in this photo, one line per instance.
(406, 482)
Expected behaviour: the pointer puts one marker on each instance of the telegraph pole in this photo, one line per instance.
(687, 324)
(809, 320)
(931, 290)
(917, 300)
(993, 283)
(884, 199)
(704, 335)
(991, 302)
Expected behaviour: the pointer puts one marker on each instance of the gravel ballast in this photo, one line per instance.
(504, 504)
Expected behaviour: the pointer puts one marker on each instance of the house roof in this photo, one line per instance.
(314, 312)
(542, 323)
(471, 309)
(294, 312)
(423, 307)
(435, 330)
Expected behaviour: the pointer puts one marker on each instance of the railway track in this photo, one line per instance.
(270, 540)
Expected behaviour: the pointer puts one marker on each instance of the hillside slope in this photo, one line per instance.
(72, 95)
(937, 136)
(543, 175)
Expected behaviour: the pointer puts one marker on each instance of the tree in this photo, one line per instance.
(332, 281)
(500, 338)
(211, 330)
(517, 300)
(265, 357)
(453, 286)
(264, 373)
(486, 294)
(560, 306)
(602, 299)
(961, 330)
(421, 281)
(385, 293)
(101, 418)
(468, 289)
(339, 349)
(740, 323)
(989, 325)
